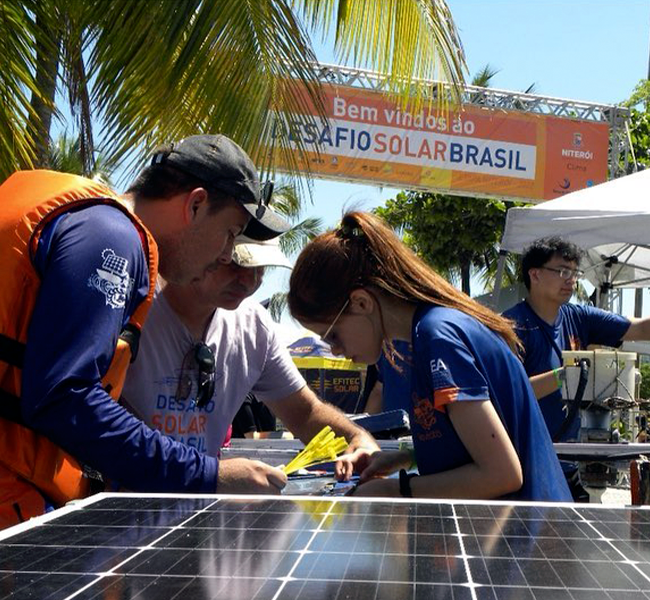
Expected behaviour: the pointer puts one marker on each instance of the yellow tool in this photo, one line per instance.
(324, 447)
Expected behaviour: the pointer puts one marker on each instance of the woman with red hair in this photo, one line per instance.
(477, 428)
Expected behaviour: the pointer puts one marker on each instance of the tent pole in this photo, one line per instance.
(496, 292)
(638, 302)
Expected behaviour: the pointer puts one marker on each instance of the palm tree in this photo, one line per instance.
(287, 201)
(453, 233)
(139, 73)
(64, 155)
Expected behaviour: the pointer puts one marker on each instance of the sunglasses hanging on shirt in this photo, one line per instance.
(199, 358)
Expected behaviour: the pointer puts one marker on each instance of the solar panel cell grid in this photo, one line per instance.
(123, 547)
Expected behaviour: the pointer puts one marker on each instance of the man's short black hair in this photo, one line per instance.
(541, 251)
(217, 164)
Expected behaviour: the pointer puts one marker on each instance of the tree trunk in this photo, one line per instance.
(464, 277)
(47, 65)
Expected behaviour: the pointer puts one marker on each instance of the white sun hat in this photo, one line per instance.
(252, 253)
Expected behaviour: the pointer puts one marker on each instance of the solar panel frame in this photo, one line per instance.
(281, 547)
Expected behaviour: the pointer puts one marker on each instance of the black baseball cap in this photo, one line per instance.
(223, 165)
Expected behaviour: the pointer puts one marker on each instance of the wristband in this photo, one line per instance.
(405, 483)
(411, 451)
(559, 376)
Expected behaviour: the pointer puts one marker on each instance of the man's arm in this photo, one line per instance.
(245, 476)
(305, 415)
(547, 383)
(71, 340)
(638, 330)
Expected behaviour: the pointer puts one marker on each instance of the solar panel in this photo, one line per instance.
(118, 546)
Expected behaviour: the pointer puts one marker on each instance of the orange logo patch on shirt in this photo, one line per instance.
(443, 397)
(424, 412)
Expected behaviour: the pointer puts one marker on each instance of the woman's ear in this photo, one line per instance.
(362, 302)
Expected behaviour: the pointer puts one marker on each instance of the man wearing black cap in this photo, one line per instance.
(79, 270)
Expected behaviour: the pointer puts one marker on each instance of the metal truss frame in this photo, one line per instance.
(615, 116)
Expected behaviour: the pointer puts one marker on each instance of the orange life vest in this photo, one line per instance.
(30, 464)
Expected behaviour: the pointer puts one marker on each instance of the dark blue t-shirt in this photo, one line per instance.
(575, 328)
(93, 274)
(396, 385)
(458, 359)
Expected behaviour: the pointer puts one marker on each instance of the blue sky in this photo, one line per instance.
(590, 50)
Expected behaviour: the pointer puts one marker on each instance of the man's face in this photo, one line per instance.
(206, 241)
(555, 281)
(227, 285)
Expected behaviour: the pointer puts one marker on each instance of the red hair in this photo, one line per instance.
(365, 252)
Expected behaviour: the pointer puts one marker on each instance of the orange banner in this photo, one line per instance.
(475, 150)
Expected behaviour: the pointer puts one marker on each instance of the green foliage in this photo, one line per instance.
(152, 72)
(65, 155)
(639, 103)
(640, 94)
(644, 392)
(640, 134)
(453, 234)
(447, 231)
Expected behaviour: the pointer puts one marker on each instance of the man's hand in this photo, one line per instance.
(244, 476)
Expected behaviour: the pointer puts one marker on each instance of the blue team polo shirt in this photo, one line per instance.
(458, 359)
(575, 328)
(396, 384)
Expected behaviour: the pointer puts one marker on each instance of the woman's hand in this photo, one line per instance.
(357, 457)
(357, 460)
(385, 463)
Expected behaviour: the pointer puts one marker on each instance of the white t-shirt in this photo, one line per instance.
(249, 358)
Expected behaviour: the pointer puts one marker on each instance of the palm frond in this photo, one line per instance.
(19, 35)
(299, 235)
(483, 78)
(409, 40)
(65, 155)
(209, 66)
(276, 305)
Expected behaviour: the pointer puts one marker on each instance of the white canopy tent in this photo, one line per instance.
(610, 221)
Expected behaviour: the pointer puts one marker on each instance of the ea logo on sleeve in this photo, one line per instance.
(438, 365)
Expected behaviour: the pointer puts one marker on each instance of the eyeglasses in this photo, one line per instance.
(565, 273)
(266, 193)
(203, 357)
(325, 336)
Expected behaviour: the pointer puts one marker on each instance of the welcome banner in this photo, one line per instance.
(476, 150)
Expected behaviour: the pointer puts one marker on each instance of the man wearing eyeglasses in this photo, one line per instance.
(168, 385)
(79, 267)
(547, 324)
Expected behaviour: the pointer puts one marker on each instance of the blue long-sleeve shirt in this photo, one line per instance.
(93, 275)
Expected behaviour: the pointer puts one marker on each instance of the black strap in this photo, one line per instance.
(10, 408)
(131, 335)
(405, 483)
(12, 351)
(584, 365)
